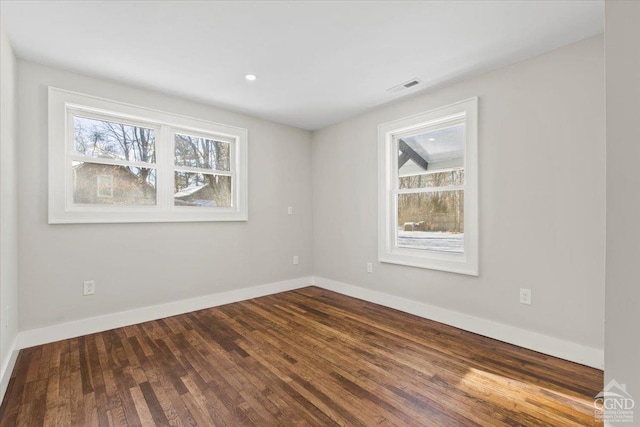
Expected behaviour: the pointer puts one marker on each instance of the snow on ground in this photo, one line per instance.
(431, 240)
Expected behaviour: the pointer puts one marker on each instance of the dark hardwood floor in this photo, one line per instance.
(303, 358)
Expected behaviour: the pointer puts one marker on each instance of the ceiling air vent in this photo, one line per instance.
(411, 84)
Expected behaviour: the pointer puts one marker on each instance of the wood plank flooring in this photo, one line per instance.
(302, 358)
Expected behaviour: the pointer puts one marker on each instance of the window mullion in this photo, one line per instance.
(165, 173)
(235, 196)
(115, 162)
(202, 171)
(428, 189)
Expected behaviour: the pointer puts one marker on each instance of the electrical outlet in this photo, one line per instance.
(290, 210)
(525, 296)
(89, 288)
(369, 267)
(295, 260)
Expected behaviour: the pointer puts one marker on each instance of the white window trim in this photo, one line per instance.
(388, 251)
(63, 103)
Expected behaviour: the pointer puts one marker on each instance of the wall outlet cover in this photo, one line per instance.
(89, 287)
(525, 296)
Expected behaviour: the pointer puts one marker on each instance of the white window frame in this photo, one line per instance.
(388, 133)
(63, 105)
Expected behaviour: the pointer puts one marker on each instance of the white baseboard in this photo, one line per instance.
(546, 344)
(7, 368)
(524, 338)
(76, 328)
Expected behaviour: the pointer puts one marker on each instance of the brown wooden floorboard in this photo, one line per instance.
(309, 357)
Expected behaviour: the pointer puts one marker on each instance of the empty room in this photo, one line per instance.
(319, 213)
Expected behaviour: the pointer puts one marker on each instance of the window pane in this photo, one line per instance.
(112, 140)
(197, 189)
(438, 179)
(432, 221)
(196, 152)
(113, 184)
(433, 150)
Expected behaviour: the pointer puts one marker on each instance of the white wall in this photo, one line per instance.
(622, 342)
(542, 198)
(137, 265)
(8, 209)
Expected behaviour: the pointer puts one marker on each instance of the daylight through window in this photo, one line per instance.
(113, 162)
(428, 190)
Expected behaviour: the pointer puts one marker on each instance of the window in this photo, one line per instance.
(114, 162)
(428, 190)
(202, 174)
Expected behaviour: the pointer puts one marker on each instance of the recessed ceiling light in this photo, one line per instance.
(432, 139)
(250, 77)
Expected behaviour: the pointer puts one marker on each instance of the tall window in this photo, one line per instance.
(428, 190)
(113, 162)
